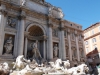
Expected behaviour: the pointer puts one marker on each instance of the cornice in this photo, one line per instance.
(92, 27)
(61, 28)
(53, 21)
(31, 13)
(8, 3)
(92, 36)
(73, 28)
(10, 30)
(45, 4)
(42, 3)
(55, 38)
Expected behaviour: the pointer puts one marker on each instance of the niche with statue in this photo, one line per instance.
(8, 46)
(55, 50)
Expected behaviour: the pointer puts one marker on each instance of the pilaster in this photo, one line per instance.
(77, 46)
(44, 50)
(2, 25)
(83, 46)
(44, 46)
(69, 42)
(26, 42)
(21, 33)
(50, 42)
(62, 42)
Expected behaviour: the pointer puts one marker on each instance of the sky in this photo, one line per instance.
(82, 12)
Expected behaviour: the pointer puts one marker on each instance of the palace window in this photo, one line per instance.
(99, 28)
(92, 32)
(86, 43)
(85, 35)
(99, 36)
(94, 40)
(87, 50)
(95, 46)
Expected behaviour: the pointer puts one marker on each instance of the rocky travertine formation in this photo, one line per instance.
(4, 68)
(25, 67)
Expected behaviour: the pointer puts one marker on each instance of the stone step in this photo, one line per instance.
(2, 60)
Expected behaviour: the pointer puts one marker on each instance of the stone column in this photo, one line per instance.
(25, 52)
(44, 51)
(63, 45)
(2, 25)
(44, 46)
(21, 33)
(50, 43)
(62, 42)
(69, 42)
(77, 46)
(83, 46)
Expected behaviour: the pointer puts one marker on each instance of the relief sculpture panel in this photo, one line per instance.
(11, 22)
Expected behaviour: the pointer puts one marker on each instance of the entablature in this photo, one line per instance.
(11, 30)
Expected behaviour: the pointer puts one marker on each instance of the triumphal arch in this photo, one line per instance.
(25, 22)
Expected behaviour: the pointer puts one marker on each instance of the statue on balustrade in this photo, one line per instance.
(8, 46)
(23, 2)
(55, 50)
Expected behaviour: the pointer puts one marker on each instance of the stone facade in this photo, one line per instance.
(92, 42)
(29, 20)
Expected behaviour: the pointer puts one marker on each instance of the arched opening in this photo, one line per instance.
(35, 33)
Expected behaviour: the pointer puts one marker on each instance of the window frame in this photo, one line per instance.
(86, 43)
(92, 32)
(93, 40)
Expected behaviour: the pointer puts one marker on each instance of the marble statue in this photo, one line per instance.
(81, 70)
(54, 68)
(8, 46)
(66, 64)
(50, 10)
(35, 50)
(4, 68)
(20, 63)
(57, 64)
(23, 2)
(61, 14)
(55, 50)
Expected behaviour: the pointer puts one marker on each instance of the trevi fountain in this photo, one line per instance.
(36, 40)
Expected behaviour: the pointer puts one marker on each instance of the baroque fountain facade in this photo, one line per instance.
(36, 29)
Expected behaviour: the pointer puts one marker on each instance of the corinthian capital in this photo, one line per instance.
(76, 34)
(50, 25)
(62, 28)
(22, 15)
(68, 31)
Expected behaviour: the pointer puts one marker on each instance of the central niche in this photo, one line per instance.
(35, 33)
